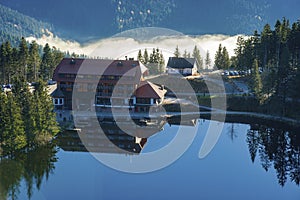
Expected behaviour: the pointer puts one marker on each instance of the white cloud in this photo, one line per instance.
(119, 47)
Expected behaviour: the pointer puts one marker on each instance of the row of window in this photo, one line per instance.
(95, 77)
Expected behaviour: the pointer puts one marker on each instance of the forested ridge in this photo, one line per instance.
(14, 25)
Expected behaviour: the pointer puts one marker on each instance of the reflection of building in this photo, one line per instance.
(183, 66)
(109, 136)
(112, 83)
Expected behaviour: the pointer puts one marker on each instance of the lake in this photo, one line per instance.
(247, 162)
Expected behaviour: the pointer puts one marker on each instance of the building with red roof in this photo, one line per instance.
(87, 84)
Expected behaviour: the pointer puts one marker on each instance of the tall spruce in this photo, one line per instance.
(196, 54)
(146, 56)
(219, 58)
(177, 53)
(23, 57)
(47, 62)
(225, 58)
(256, 82)
(140, 57)
(207, 60)
(14, 138)
(33, 62)
(46, 125)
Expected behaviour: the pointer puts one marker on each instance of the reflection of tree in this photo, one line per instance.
(31, 167)
(278, 148)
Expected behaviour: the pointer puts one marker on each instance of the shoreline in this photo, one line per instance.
(219, 115)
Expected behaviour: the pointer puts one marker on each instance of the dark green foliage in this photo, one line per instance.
(13, 135)
(27, 119)
(32, 167)
(155, 62)
(140, 56)
(222, 60)
(278, 56)
(26, 61)
(14, 25)
(278, 148)
(256, 82)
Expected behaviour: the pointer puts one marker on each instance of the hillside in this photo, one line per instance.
(84, 20)
(14, 25)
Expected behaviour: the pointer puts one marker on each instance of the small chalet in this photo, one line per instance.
(182, 66)
(104, 84)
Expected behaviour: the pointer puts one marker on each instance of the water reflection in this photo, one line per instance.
(271, 147)
(31, 168)
(278, 148)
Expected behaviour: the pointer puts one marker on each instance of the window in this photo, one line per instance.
(58, 101)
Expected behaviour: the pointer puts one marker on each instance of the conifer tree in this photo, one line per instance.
(196, 54)
(185, 54)
(207, 60)
(34, 62)
(24, 99)
(140, 57)
(13, 135)
(226, 59)
(46, 125)
(23, 57)
(257, 83)
(146, 57)
(177, 53)
(219, 58)
(47, 62)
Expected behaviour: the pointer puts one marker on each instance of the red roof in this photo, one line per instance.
(149, 90)
(127, 68)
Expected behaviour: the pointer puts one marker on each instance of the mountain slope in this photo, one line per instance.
(93, 18)
(14, 25)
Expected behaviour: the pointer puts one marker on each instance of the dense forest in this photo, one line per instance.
(27, 119)
(28, 60)
(26, 113)
(276, 52)
(14, 25)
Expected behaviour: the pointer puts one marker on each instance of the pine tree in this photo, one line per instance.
(140, 57)
(219, 58)
(161, 62)
(207, 60)
(146, 57)
(153, 58)
(197, 56)
(24, 98)
(13, 134)
(23, 57)
(47, 63)
(226, 59)
(256, 82)
(33, 62)
(177, 53)
(46, 125)
(3, 62)
(185, 54)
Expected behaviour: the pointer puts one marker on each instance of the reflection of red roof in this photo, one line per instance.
(128, 68)
(149, 90)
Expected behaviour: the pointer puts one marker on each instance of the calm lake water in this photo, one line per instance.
(248, 162)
